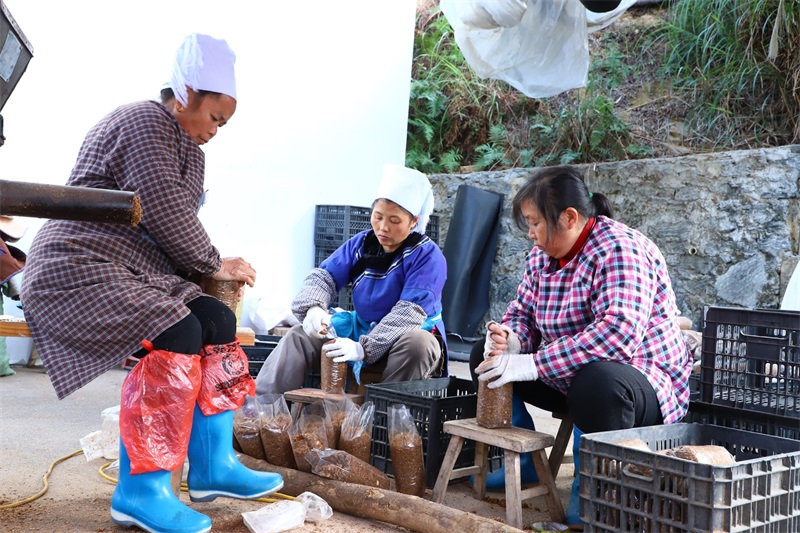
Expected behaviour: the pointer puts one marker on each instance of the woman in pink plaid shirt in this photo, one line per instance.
(593, 330)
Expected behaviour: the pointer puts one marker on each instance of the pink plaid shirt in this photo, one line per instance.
(612, 302)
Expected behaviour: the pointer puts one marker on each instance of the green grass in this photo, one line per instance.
(706, 68)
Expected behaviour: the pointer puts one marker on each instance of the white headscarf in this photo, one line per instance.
(203, 63)
(410, 189)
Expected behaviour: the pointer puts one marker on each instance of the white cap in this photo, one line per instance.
(203, 63)
(410, 189)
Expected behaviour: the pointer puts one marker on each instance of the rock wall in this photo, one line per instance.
(727, 223)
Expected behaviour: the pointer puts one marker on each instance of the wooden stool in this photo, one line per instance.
(300, 397)
(514, 441)
(562, 441)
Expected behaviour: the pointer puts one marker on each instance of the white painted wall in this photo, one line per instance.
(323, 103)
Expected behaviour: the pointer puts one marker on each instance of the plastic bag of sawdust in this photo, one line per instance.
(307, 433)
(321, 409)
(286, 514)
(275, 422)
(356, 436)
(247, 427)
(341, 466)
(337, 411)
(405, 447)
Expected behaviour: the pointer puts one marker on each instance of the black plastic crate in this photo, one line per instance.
(627, 489)
(334, 224)
(432, 230)
(700, 413)
(431, 402)
(694, 387)
(256, 355)
(322, 252)
(751, 360)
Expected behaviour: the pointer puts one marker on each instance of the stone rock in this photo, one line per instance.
(724, 222)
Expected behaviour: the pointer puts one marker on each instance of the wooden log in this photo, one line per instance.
(63, 202)
(411, 512)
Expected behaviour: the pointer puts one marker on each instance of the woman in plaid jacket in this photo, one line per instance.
(593, 329)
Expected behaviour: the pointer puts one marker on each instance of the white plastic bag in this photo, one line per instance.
(275, 517)
(317, 509)
(490, 14)
(105, 442)
(265, 315)
(284, 515)
(544, 54)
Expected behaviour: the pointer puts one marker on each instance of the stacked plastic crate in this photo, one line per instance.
(335, 224)
(748, 402)
(750, 371)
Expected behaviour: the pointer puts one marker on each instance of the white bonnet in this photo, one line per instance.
(203, 63)
(410, 189)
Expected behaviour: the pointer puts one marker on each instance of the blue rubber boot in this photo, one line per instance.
(214, 469)
(574, 508)
(147, 501)
(521, 418)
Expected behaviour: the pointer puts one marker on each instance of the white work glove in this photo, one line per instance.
(506, 368)
(495, 341)
(344, 350)
(315, 324)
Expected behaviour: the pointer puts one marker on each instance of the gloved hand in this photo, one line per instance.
(500, 339)
(316, 322)
(507, 367)
(344, 349)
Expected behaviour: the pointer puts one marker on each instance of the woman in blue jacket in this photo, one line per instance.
(397, 275)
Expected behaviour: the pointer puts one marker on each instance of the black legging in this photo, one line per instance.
(604, 396)
(210, 322)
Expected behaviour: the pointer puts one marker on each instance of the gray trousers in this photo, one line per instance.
(415, 355)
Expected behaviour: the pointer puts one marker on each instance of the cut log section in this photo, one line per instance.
(410, 512)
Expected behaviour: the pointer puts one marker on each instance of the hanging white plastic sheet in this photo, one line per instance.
(540, 49)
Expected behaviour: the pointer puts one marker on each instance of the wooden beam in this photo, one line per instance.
(12, 326)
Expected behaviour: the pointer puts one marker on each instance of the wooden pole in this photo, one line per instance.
(411, 512)
(63, 202)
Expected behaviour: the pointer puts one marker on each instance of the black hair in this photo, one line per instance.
(552, 190)
(168, 94)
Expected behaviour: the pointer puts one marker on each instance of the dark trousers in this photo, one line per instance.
(603, 396)
(210, 322)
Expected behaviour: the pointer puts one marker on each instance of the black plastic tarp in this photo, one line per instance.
(469, 250)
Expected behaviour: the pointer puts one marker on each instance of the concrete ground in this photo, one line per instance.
(37, 429)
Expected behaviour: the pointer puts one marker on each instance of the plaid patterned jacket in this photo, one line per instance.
(92, 292)
(612, 302)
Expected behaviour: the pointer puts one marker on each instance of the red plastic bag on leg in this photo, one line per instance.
(155, 417)
(226, 378)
